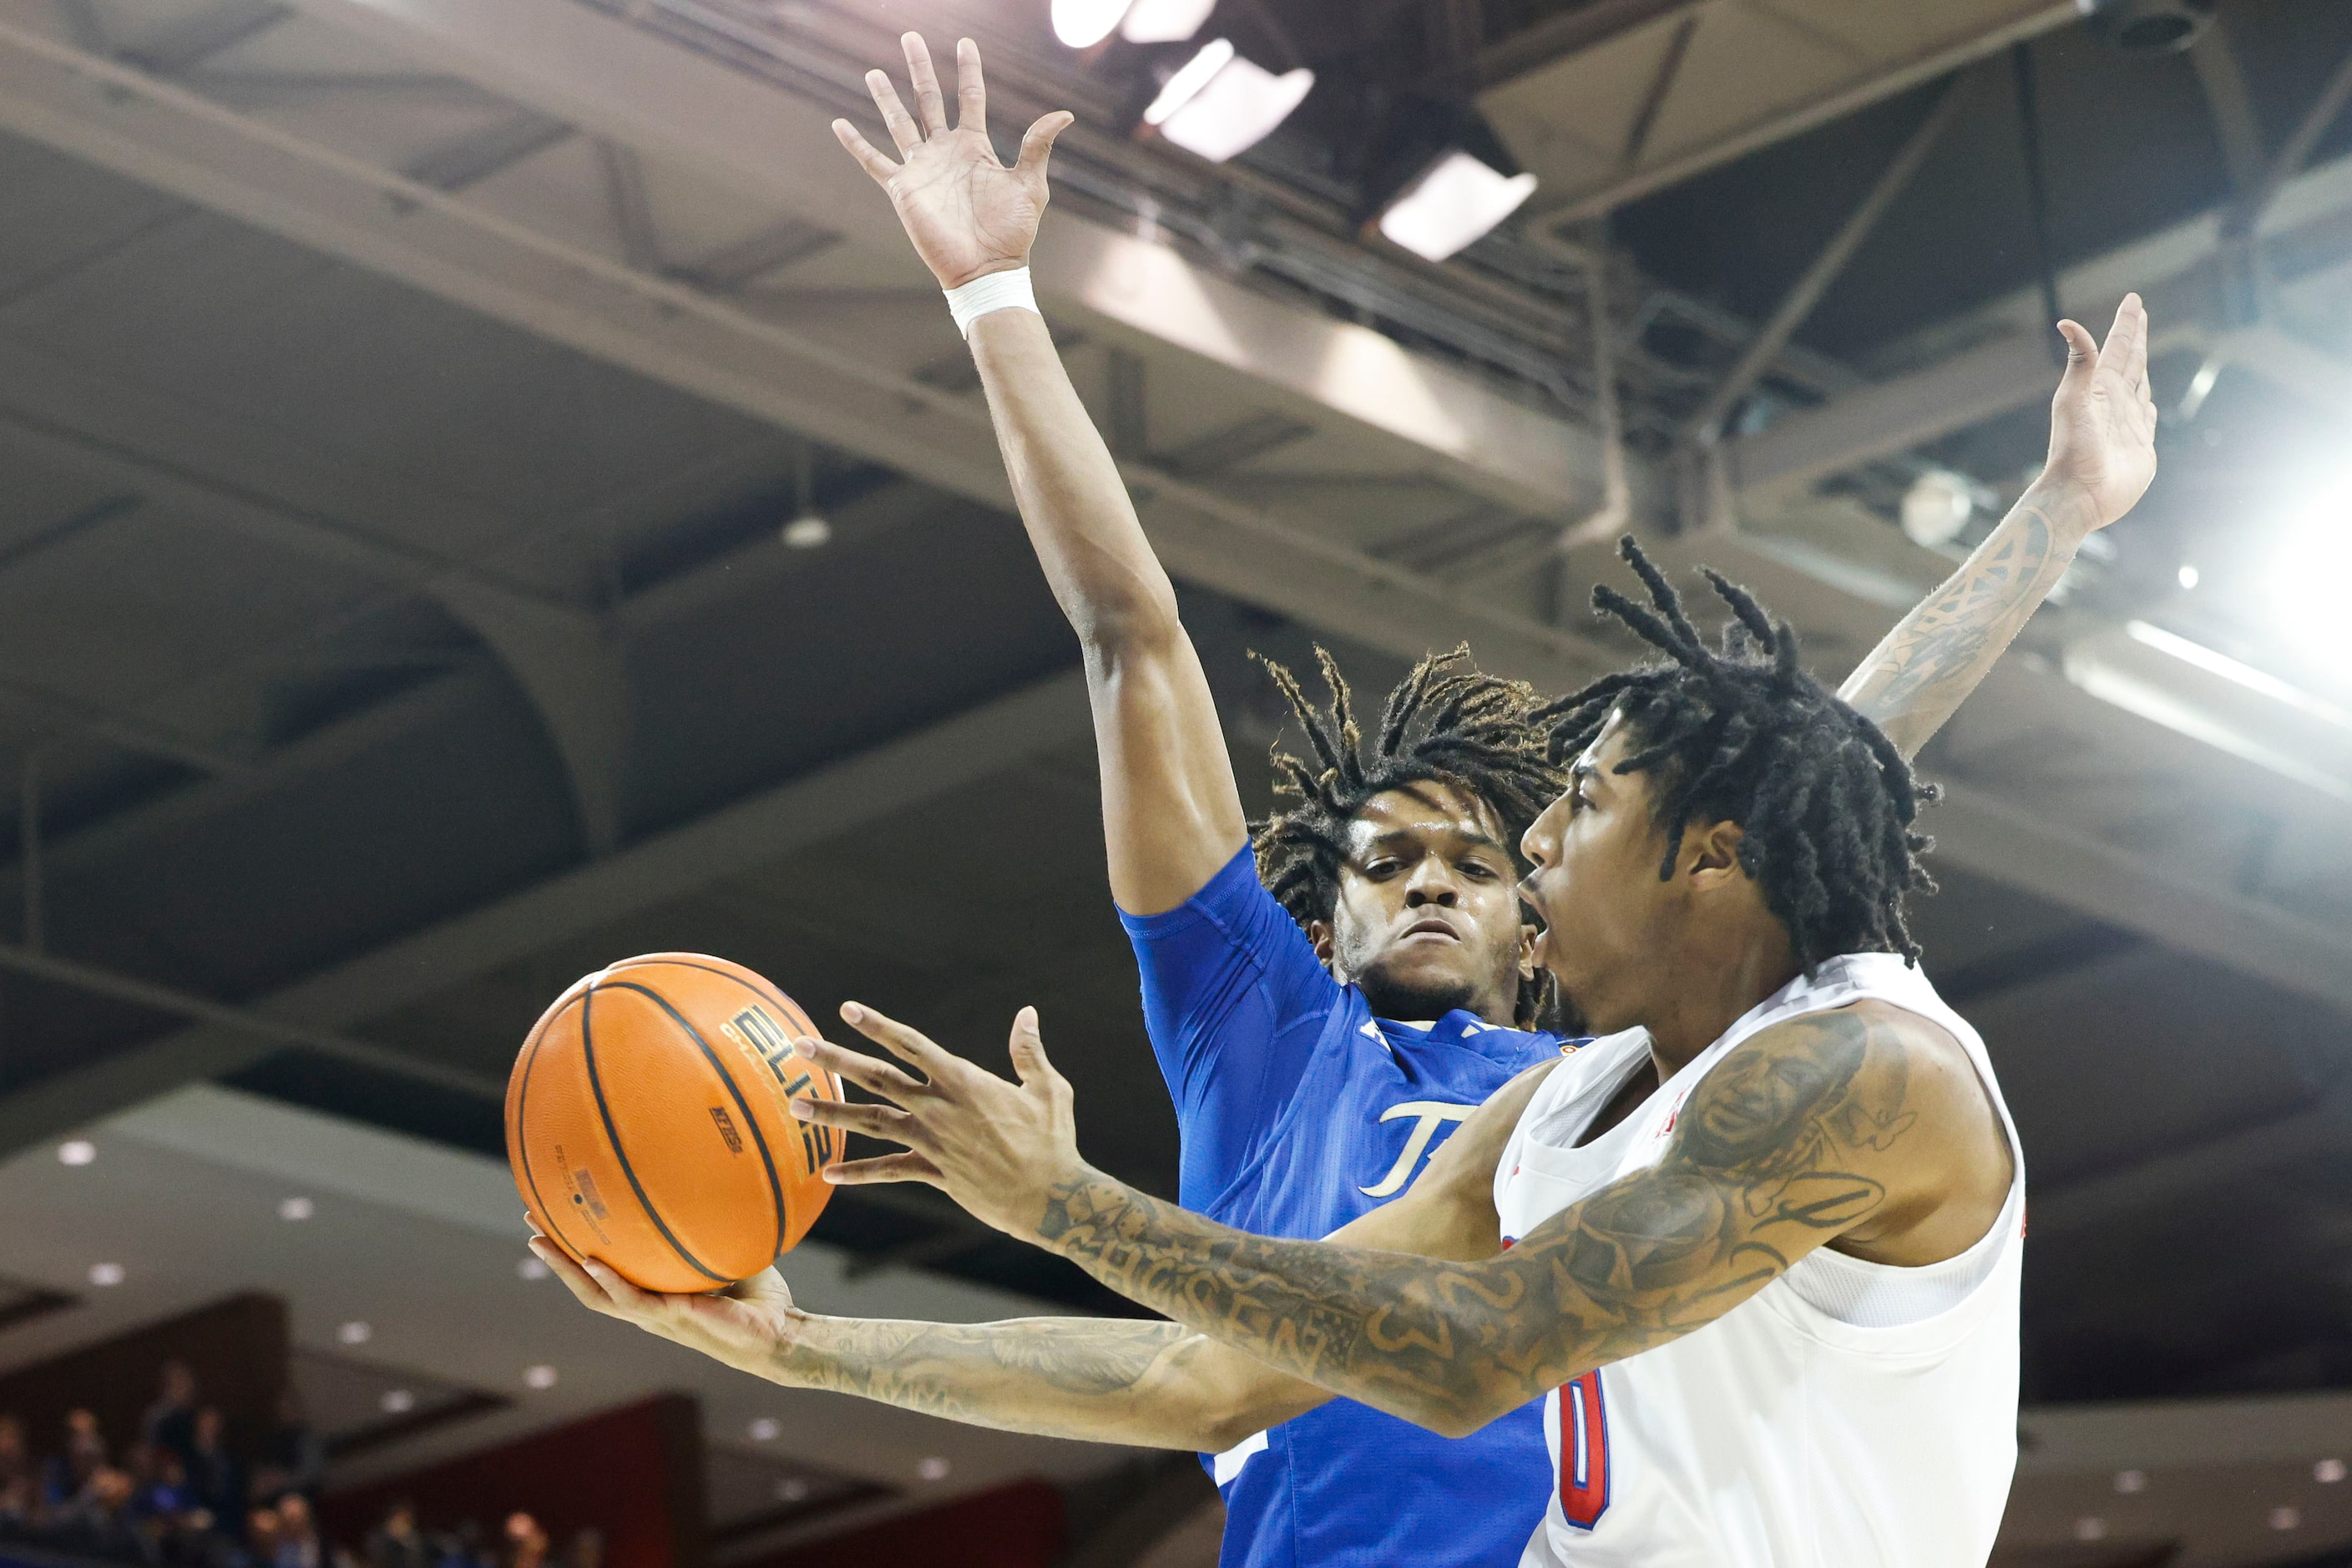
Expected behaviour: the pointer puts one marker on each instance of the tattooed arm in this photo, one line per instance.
(1148, 1385)
(1865, 1126)
(2102, 456)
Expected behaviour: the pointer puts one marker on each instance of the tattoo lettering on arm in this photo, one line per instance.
(1793, 1141)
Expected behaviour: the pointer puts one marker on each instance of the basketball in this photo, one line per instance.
(647, 1128)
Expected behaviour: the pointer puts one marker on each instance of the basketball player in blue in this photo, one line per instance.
(1326, 1012)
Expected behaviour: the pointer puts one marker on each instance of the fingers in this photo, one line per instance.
(971, 92)
(908, 1044)
(884, 1168)
(869, 157)
(904, 134)
(1037, 144)
(886, 1121)
(1028, 1048)
(2081, 348)
(926, 83)
(631, 1301)
(869, 1073)
(576, 1280)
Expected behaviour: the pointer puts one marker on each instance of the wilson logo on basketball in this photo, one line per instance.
(764, 1034)
(727, 1129)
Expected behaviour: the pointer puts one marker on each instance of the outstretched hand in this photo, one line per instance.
(996, 1147)
(967, 213)
(2102, 421)
(744, 1325)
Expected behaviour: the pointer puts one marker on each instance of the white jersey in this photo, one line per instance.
(1850, 1415)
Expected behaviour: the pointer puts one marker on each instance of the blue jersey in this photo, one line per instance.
(1299, 1112)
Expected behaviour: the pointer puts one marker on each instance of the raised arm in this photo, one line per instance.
(2102, 456)
(1863, 1122)
(1171, 815)
(1147, 1384)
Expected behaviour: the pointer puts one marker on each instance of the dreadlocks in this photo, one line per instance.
(1824, 801)
(1445, 723)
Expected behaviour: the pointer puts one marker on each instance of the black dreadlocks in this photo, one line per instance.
(1446, 722)
(1824, 800)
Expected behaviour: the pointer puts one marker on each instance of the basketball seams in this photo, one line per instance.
(775, 1182)
(517, 1141)
(766, 992)
(613, 1136)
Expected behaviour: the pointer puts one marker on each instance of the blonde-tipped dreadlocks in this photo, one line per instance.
(1824, 801)
(1444, 724)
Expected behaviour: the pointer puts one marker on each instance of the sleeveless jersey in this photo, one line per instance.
(1299, 1110)
(1850, 1415)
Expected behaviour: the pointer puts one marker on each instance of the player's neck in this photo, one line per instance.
(1706, 986)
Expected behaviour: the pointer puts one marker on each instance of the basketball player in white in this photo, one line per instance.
(1759, 1246)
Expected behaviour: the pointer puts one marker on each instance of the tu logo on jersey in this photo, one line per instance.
(1428, 1116)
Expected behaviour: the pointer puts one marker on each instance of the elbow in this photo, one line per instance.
(1118, 632)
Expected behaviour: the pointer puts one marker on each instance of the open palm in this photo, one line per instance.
(967, 213)
(2102, 421)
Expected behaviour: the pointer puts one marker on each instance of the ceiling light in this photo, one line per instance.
(1936, 507)
(77, 1152)
(766, 1430)
(934, 1468)
(397, 1402)
(2149, 26)
(530, 1268)
(539, 1377)
(2130, 1482)
(1457, 201)
(808, 532)
(2328, 1472)
(1083, 24)
(296, 1208)
(106, 1274)
(2312, 557)
(355, 1332)
(2189, 576)
(2090, 1527)
(2285, 1518)
(1219, 105)
(1165, 21)
(792, 1488)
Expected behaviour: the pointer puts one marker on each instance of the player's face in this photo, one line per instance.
(1427, 919)
(1595, 852)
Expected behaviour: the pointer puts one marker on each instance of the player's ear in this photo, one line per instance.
(1529, 934)
(1324, 935)
(1710, 855)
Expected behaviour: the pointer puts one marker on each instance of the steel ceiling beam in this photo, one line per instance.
(837, 798)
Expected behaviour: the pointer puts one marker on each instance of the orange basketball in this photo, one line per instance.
(646, 1123)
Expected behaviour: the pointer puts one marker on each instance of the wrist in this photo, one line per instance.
(2070, 509)
(999, 288)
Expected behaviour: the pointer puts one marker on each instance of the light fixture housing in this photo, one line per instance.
(1083, 24)
(1165, 21)
(1220, 105)
(1439, 178)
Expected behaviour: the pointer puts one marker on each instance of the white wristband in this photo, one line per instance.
(968, 302)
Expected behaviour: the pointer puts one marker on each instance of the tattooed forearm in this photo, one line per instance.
(1919, 677)
(1773, 1157)
(1099, 1380)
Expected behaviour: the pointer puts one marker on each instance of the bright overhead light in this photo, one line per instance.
(2130, 1482)
(1220, 105)
(1083, 24)
(296, 1208)
(808, 532)
(539, 1377)
(2308, 563)
(1165, 21)
(397, 1402)
(1458, 201)
(934, 1468)
(1936, 507)
(766, 1430)
(104, 1275)
(2286, 1518)
(2090, 1527)
(530, 1268)
(355, 1332)
(77, 1152)
(2328, 1472)
(2188, 576)
(792, 1488)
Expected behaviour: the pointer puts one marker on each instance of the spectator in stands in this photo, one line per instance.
(397, 1542)
(292, 1457)
(16, 1453)
(261, 1536)
(99, 1523)
(526, 1543)
(586, 1551)
(213, 1473)
(69, 1474)
(171, 1421)
(297, 1534)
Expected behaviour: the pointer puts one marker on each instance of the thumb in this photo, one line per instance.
(1029, 1063)
(1037, 144)
(2081, 357)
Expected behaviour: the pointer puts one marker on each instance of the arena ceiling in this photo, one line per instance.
(400, 400)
